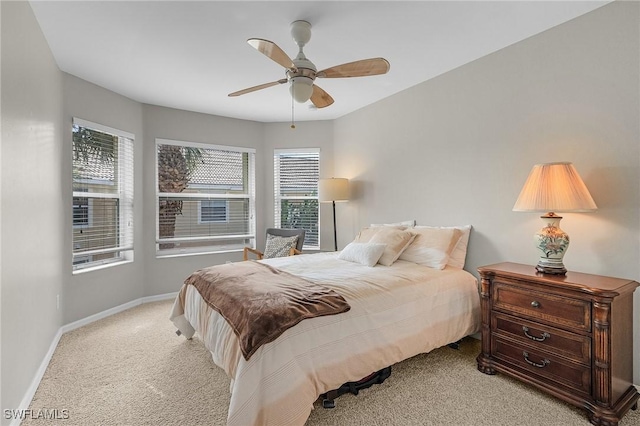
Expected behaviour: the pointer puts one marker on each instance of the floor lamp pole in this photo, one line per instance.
(335, 232)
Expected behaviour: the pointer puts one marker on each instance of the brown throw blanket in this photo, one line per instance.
(261, 302)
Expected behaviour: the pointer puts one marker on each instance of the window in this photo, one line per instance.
(102, 213)
(296, 173)
(205, 198)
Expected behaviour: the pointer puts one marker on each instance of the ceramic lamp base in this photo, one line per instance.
(552, 243)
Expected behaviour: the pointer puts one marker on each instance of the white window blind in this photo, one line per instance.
(205, 198)
(296, 173)
(102, 194)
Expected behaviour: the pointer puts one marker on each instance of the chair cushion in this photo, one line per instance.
(279, 246)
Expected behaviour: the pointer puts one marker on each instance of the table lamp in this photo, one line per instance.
(550, 188)
(334, 189)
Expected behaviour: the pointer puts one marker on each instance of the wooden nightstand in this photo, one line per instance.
(571, 336)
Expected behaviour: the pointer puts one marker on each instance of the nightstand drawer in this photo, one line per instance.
(556, 310)
(573, 346)
(573, 377)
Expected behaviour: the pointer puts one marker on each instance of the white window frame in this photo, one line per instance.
(278, 197)
(251, 196)
(124, 249)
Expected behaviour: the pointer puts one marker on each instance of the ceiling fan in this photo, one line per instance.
(301, 72)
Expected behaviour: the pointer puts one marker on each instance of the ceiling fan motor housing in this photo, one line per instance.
(301, 32)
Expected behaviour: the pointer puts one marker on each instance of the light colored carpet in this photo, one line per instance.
(131, 369)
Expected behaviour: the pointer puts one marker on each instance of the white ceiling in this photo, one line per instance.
(190, 55)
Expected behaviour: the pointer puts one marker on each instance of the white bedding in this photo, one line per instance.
(396, 312)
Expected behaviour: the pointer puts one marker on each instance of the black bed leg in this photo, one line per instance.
(455, 345)
(328, 403)
(328, 399)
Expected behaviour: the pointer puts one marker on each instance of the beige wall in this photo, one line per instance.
(0, 222)
(458, 148)
(33, 221)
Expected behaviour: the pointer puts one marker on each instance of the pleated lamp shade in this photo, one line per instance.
(554, 187)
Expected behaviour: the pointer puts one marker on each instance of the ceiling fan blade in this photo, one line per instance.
(320, 98)
(259, 87)
(271, 50)
(363, 68)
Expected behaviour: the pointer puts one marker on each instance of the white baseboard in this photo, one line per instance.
(159, 297)
(31, 391)
(104, 314)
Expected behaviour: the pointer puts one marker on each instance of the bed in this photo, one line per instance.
(396, 312)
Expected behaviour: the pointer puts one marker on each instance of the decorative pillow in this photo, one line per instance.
(431, 246)
(458, 255)
(366, 234)
(397, 240)
(279, 246)
(366, 254)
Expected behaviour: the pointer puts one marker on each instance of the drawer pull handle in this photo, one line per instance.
(535, 304)
(542, 338)
(544, 363)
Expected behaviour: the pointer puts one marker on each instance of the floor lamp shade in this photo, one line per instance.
(332, 190)
(551, 188)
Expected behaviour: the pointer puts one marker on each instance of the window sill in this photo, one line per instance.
(159, 255)
(98, 267)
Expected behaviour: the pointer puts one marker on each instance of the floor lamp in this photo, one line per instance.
(334, 189)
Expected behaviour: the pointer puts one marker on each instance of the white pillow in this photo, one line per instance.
(459, 253)
(366, 254)
(431, 246)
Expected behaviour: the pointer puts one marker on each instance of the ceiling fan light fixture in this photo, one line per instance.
(301, 89)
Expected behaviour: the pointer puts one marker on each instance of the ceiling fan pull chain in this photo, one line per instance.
(293, 125)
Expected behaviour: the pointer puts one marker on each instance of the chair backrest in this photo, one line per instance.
(283, 232)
